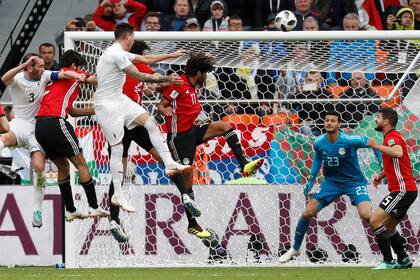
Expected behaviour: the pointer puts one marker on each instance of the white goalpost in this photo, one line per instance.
(273, 87)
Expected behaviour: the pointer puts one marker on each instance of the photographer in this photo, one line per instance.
(403, 20)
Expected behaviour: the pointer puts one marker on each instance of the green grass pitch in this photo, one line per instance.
(321, 273)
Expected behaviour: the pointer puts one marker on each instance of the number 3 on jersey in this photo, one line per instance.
(31, 97)
(333, 161)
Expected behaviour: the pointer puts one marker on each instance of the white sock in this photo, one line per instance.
(117, 167)
(158, 141)
(40, 182)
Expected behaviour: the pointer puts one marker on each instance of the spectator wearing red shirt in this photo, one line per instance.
(402, 188)
(120, 12)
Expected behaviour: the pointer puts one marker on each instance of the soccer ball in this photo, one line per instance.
(285, 21)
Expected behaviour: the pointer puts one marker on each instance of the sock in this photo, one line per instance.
(66, 194)
(116, 167)
(234, 143)
(399, 245)
(301, 229)
(40, 182)
(178, 180)
(114, 210)
(382, 238)
(191, 194)
(90, 192)
(158, 141)
(1, 145)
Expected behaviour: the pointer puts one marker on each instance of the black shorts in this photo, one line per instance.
(57, 138)
(396, 204)
(139, 135)
(183, 145)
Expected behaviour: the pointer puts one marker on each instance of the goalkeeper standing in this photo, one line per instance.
(336, 151)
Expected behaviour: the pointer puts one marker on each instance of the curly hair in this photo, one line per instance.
(201, 61)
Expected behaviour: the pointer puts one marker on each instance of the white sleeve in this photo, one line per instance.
(46, 76)
(122, 60)
(131, 56)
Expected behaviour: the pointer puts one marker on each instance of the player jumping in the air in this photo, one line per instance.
(58, 139)
(180, 106)
(27, 84)
(115, 110)
(336, 151)
(402, 188)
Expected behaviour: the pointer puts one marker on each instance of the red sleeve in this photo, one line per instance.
(144, 68)
(2, 114)
(393, 140)
(170, 93)
(106, 25)
(140, 11)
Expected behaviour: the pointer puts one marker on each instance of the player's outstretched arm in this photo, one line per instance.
(394, 151)
(81, 112)
(148, 78)
(68, 75)
(7, 78)
(154, 58)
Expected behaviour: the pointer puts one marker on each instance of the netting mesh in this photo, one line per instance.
(274, 93)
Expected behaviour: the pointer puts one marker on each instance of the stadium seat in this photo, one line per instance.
(336, 91)
(279, 120)
(384, 91)
(242, 119)
(294, 120)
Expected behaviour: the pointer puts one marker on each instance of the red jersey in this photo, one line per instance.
(59, 97)
(185, 104)
(398, 171)
(133, 88)
(2, 114)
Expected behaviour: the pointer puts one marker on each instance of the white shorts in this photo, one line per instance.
(25, 135)
(112, 117)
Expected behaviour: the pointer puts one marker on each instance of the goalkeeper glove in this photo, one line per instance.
(307, 188)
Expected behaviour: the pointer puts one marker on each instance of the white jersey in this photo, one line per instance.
(26, 95)
(109, 73)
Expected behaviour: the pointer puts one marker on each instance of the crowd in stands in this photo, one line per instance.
(242, 83)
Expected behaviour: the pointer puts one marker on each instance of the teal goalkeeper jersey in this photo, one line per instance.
(339, 159)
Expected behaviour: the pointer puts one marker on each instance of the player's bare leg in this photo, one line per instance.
(171, 167)
(65, 189)
(365, 210)
(38, 164)
(387, 236)
(225, 129)
(310, 211)
(89, 186)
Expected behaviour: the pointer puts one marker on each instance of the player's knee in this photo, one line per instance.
(365, 217)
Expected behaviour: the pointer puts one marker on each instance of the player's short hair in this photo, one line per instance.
(199, 62)
(234, 17)
(27, 56)
(333, 113)
(122, 30)
(389, 114)
(47, 45)
(139, 47)
(71, 56)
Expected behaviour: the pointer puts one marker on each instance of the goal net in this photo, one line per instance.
(273, 88)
